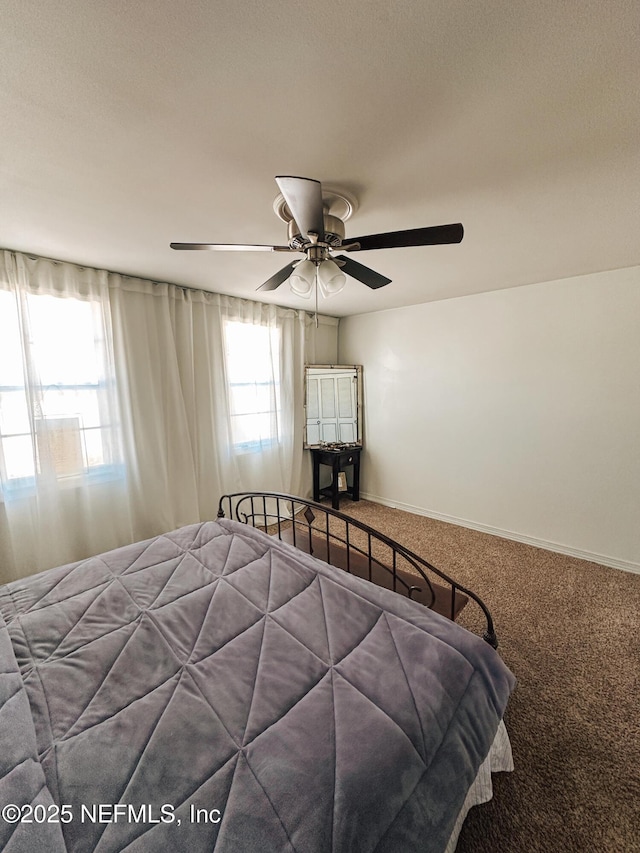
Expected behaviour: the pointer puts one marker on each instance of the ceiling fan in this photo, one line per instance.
(316, 229)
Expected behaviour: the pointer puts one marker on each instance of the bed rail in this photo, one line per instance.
(355, 547)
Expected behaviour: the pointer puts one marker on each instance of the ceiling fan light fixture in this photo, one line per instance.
(331, 279)
(302, 279)
(315, 218)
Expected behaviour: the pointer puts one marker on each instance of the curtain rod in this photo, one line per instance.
(186, 288)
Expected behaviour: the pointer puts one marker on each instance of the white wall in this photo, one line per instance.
(321, 341)
(515, 411)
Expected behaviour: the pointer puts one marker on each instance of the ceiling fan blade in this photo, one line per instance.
(231, 247)
(277, 279)
(433, 236)
(369, 277)
(304, 199)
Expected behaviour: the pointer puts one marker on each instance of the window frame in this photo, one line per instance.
(112, 467)
(256, 445)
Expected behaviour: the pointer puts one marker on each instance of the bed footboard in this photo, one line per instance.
(351, 545)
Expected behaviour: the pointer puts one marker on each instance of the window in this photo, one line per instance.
(56, 414)
(253, 376)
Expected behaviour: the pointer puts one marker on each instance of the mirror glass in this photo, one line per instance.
(333, 405)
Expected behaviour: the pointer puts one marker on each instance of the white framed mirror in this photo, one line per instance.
(333, 405)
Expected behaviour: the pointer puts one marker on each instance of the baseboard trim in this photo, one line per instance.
(601, 559)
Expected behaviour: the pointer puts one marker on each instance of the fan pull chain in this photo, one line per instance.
(315, 285)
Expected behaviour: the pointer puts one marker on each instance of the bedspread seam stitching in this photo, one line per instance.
(255, 680)
(382, 711)
(404, 672)
(428, 766)
(142, 751)
(284, 829)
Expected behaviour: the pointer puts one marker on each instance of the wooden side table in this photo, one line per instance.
(336, 460)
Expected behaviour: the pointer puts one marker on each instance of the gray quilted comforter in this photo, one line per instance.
(214, 689)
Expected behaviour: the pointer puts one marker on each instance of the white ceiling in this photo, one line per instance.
(125, 126)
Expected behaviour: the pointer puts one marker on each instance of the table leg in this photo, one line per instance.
(316, 478)
(355, 492)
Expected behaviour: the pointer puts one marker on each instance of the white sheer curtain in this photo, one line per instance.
(127, 407)
(62, 474)
(173, 367)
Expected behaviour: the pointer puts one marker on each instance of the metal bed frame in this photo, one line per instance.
(351, 545)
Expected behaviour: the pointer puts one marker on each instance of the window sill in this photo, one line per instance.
(27, 487)
(254, 446)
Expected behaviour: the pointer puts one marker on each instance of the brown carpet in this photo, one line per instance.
(569, 631)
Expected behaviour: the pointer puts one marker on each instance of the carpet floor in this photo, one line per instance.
(569, 630)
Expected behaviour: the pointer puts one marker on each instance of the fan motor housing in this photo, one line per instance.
(333, 233)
